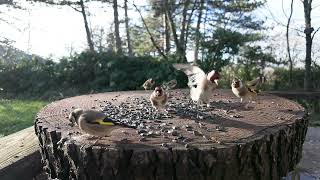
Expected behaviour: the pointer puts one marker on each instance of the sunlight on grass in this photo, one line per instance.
(17, 114)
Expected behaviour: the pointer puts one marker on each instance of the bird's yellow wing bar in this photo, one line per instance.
(104, 122)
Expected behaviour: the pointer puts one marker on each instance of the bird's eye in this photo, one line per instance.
(195, 86)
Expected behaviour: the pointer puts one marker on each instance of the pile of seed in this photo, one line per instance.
(135, 112)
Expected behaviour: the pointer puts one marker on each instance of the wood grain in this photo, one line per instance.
(19, 155)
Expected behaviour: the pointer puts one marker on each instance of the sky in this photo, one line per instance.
(58, 31)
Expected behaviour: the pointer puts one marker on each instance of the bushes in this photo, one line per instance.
(83, 73)
(281, 81)
(87, 72)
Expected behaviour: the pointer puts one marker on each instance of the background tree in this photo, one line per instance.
(116, 27)
(231, 25)
(198, 33)
(152, 38)
(310, 33)
(127, 27)
(78, 6)
(288, 43)
(89, 34)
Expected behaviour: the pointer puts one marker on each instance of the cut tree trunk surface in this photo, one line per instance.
(224, 141)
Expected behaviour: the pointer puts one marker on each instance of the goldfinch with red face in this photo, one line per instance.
(247, 91)
(158, 98)
(201, 85)
(93, 122)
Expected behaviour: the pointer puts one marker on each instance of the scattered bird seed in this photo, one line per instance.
(164, 145)
(235, 116)
(196, 133)
(220, 128)
(174, 133)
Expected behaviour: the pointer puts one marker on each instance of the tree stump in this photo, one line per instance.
(224, 141)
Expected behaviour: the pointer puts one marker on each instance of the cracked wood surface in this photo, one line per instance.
(262, 142)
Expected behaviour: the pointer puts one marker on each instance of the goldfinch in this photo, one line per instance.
(93, 122)
(247, 91)
(201, 85)
(148, 84)
(170, 84)
(158, 98)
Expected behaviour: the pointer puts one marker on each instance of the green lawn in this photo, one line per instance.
(17, 114)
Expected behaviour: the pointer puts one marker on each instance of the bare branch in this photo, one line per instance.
(70, 5)
(315, 32)
(284, 12)
(280, 23)
(151, 36)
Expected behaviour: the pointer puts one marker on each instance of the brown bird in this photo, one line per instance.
(93, 122)
(148, 84)
(158, 98)
(201, 84)
(247, 91)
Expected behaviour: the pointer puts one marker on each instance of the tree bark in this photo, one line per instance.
(288, 45)
(198, 34)
(89, 39)
(127, 27)
(308, 31)
(116, 27)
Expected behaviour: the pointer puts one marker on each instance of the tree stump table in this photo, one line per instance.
(224, 141)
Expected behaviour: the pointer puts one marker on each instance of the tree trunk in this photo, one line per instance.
(179, 47)
(183, 28)
(151, 36)
(188, 25)
(127, 27)
(288, 45)
(204, 31)
(116, 27)
(198, 34)
(167, 34)
(89, 39)
(308, 31)
(258, 144)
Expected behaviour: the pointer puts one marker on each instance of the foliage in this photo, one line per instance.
(83, 73)
(281, 81)
(223, 46)
(17, 114)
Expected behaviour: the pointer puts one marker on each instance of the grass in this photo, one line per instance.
(17, 114)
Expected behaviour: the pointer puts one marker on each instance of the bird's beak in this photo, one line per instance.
(216, 81)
